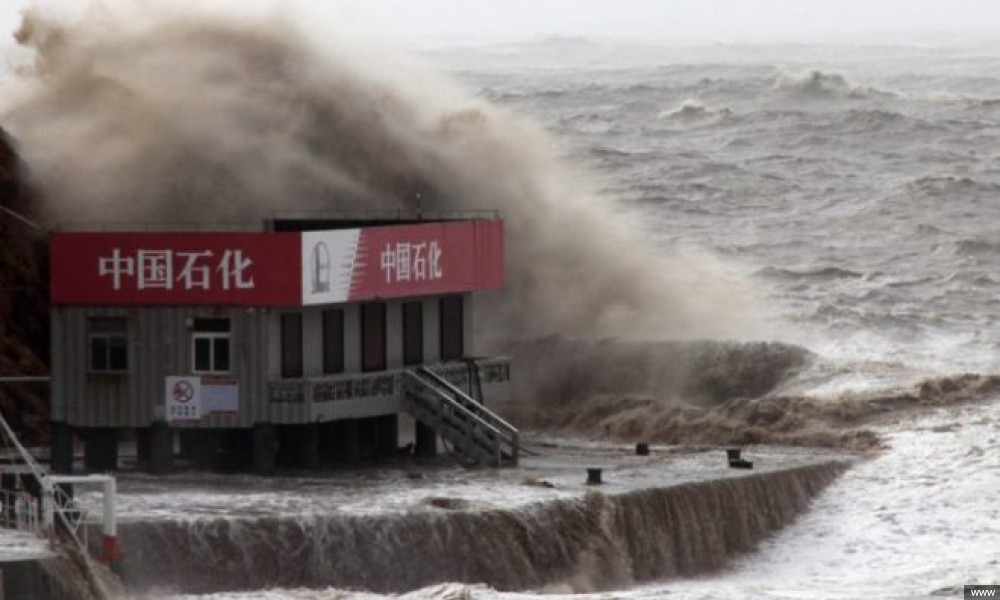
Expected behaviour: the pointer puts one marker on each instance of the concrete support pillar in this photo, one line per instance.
(160, 440)
(426, 442)
(328, 442)
(100, 451)
(188, 439)
(61, 459)
(310, 446)
(236, 450)
(298, 446)
(265, 448)
(387, 432)
(351, 440)
(201, 447)
(141, 445)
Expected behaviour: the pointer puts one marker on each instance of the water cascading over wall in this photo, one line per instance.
(595, 542)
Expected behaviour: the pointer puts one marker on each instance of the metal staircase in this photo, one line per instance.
(59, 507)
(57, 510)
(477, 435)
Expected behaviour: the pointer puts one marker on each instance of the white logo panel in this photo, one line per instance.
(328, 262)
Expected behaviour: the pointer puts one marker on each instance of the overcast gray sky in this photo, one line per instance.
(693, 20)
(680, 21)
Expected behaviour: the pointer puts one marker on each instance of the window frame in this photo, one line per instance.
(291, 322)
(412, 333)
(378, 312)
(333, 355)
(109, 338)
(213, 337)
(451, 333)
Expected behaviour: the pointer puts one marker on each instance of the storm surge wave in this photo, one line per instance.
(712, 393)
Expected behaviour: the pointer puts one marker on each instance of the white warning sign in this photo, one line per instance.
(183, 395)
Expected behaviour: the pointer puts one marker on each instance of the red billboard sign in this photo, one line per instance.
(275, 269)
(406, 260)
(196, 268)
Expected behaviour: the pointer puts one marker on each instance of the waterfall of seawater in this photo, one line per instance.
(597, 541)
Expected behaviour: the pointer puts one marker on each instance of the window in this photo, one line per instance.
(210, 343)
(373, 337)
(108, 344)
(413, 333)
(333, 340)
(452, 328)
(291, 345)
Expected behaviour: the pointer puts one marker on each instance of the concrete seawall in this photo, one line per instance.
(48, 577)
(25, 579)
(666, 517)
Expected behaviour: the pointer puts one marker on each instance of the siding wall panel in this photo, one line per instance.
(159, 345)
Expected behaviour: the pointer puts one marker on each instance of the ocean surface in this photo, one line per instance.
(857, 189)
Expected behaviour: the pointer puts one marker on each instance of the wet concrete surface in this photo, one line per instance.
(558, 471)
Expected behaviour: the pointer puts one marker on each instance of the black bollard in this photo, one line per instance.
(736, 460)
(642, 449)
(594, 477)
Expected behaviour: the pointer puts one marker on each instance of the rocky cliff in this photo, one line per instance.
(24, 335)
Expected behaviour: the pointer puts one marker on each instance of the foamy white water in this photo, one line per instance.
(918, 521)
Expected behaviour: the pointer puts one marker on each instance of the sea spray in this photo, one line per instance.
(176, 113)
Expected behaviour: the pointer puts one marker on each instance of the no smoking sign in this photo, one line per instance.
(183, 391)
(183, 398)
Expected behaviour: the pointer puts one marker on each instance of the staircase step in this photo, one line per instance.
(458, 431)
(467, 425)
(453, 433)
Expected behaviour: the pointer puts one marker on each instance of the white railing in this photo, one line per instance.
(507, 432)
(59, 509)
(332, 388)
(453, 408)
(21, 511)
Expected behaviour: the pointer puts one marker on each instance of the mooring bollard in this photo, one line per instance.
(594, 477)
(736, 461)
(642, 449)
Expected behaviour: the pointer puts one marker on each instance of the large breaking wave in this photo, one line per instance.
(174, 112)
(712, 393)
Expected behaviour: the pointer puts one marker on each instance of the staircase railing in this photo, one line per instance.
(58, 506)
(510, 433)
(65, 508)
(476, 431)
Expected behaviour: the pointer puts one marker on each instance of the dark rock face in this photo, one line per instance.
(24, 322)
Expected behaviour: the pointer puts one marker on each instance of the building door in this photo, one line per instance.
(452, 328)
(373, 337)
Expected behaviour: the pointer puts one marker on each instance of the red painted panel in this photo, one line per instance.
(267, 269)
(197, 268)
(489, 255)
(436, 258)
